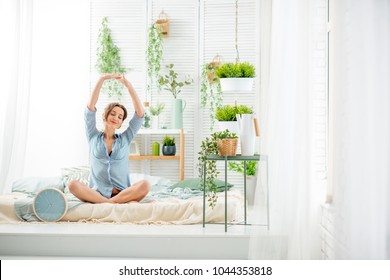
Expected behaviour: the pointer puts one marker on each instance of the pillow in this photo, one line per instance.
(33, 185)
(194, 184)
(79, 173)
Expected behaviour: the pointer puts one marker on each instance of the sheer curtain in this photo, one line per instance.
(16, 30)
(287, 136)
(360, 138)
(359, 151)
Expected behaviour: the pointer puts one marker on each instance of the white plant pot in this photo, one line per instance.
(236, 84)
(251, 182)
(232, 126)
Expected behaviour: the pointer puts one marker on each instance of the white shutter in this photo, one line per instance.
(127, 21)
(180, 49)
(199, 29)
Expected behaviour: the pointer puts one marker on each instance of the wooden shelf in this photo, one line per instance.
(133, 157)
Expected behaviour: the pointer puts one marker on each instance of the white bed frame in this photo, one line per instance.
(80, 240)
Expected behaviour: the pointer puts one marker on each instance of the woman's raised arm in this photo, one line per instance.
(138, 107)
(96, 91)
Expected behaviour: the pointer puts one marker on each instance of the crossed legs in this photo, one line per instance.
(135, 193)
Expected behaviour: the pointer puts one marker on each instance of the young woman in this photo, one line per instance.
(109, 178)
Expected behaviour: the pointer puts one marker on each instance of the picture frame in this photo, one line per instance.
(134, 148)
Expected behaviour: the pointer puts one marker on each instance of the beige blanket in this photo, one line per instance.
(164, 211)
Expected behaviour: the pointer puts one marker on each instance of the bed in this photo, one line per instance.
(167, 203)
(165, 224)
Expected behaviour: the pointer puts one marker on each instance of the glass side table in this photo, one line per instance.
(245, 159)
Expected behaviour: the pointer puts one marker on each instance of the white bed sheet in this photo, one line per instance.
(168, 210)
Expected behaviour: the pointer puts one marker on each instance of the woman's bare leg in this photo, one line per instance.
(85, 193)
(136, 192)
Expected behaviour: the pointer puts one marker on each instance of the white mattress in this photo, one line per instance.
(162, 211)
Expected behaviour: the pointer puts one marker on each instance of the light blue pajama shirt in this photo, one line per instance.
(112, 171)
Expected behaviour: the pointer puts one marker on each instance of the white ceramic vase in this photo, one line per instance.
(251, 182)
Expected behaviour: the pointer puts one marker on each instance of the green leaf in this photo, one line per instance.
(108, 60)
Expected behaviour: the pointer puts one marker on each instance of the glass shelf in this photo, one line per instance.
(147, 131)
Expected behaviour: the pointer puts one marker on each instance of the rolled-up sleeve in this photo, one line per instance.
(134, 126)
(90, 123)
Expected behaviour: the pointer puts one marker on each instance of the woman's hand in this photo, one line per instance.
(123, 80)
(109, 76)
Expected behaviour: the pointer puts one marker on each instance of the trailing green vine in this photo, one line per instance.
(154, 55)
(208, 147)
(210, 91)
(108, 60)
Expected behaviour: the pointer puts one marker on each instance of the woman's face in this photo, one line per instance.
(115, 118)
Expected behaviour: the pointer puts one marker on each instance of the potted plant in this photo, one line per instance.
(163, 23)
(155, 111)
(169, 82)
(108, 60)
(154, 55)
(226, 143)
(251, 178)
(236, 76)
(210, 90)
(227, 116)
(169, 147)
(211, 146)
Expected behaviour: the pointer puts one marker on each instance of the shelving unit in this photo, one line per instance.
(179, 157)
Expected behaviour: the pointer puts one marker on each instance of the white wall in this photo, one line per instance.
(60, 76)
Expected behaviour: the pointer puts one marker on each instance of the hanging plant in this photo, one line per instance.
(236, 70)
(163, 23)
(154, 55)
(210, 91)
(108, 60)
(236, 76)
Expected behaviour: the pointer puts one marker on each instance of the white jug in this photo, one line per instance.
(246, 126)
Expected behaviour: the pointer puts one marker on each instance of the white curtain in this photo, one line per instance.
(287, 136)
(359, 150)
(360, 128)
(44, 87)
(16, 30)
